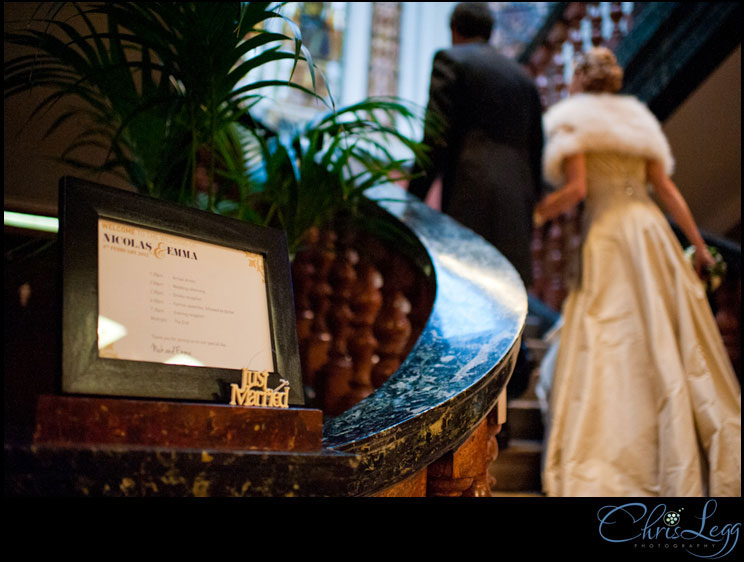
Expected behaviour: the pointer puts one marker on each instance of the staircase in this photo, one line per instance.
(516, 470)
(642, 34)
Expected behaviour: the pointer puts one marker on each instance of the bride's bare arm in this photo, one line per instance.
(675, 204)
(571, 194)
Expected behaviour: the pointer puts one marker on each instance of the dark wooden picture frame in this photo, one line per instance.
(81, 205)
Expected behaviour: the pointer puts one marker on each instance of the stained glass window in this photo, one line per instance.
(379, 48)
(323, 27)
(516, 24)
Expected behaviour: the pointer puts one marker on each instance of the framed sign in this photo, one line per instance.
(164, 301)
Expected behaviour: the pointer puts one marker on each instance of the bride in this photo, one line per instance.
(644, 399)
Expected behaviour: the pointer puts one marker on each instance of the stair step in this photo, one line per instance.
(517, 468)
(538, 348)
(532, 327)
(525, 420)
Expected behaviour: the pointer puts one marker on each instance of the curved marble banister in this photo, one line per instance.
(461, 362)
(448, 383)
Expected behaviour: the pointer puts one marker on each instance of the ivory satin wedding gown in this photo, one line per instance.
(644, 400)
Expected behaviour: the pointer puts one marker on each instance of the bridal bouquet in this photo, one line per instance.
(714, 274)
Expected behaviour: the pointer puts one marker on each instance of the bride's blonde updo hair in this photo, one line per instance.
(598, 71)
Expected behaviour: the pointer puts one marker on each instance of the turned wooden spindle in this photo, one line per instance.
(574, 14)
(616, 16)
(343, 278)
(594, 11)
(392, 330)
(314, 352)
(365, 304)
(335, 376)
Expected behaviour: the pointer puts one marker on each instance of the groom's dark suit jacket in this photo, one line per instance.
(489, 153)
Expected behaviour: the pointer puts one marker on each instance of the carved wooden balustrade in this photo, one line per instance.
(360, 307)
(577, 26)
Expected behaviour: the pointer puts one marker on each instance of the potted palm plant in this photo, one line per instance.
(165, 90)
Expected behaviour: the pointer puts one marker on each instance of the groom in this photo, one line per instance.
(489, 155)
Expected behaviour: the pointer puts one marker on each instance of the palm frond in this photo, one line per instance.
(321, 170)
(163, 76)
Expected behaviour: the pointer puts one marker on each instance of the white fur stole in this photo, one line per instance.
(601, 123)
